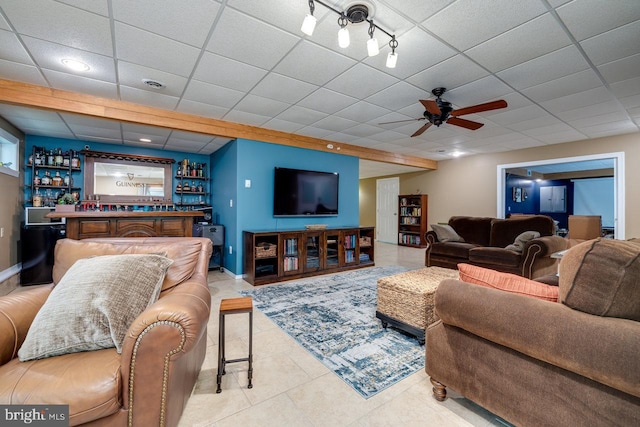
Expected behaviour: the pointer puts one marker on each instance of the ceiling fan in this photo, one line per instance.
(439, 111)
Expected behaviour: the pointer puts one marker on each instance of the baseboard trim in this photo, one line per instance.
(10, 272)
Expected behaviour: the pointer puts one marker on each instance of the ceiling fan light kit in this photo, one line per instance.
(354, 14)
(438, 111)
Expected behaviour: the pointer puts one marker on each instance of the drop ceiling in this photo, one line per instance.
(570, 70)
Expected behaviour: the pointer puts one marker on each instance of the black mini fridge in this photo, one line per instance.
(37, 243)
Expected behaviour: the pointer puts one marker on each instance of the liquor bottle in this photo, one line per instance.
(194, 188)
(200, 171)
(68, 180)
(178, 187)
(37, 198)
(46, 179)
(59, 160)
(75, 160)
(200, 188)
(188, 169)
(38, 158)
(179, 172)
(194, 170)
(57, 179)
(36, 178)
(185, 187)
(51, 159)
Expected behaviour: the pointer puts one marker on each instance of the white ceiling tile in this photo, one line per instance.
(189, 146)
(50, 132)
(335, 124)
(416, 8)
(450, 73)
(212, 94)
(613, 45)
(225, 72)
(264, 48)
(481, 20)
(398, 96)
(515, 46)
(141, 131)
(362, 112)
(548, 129)
(417, 51)
(577, 100)
(514, 100)
(90, 122)
(361, 81)
(626, 87)
(282, 88)
(261, 106)
(557, 3)
(50, 55)
(154, 51)
(327, 101)
(483, 90)
(84, 131)
(202, 109)
(568, 85)
(614, 128)
(363, 130)
(631, 101)
(99, 7)
(554, 65)
(49, 20)
(304, 116)
(314, 64)
(586, 18)
(75, 83)
(21, 73)
(594, 110)
(315, 132)
(282, 125)
(148, 97)
(585, 123)
(285, 14)
(169, 18)
(387, 136)
(511, 116)
(12, 50)
(537, 123)
(4, 25)
(622, 69)
(132, 75)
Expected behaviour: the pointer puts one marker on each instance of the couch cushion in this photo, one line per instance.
(521, 240)
(602, 277)
(507, 282)
(495, 256)
(90, 381)
(505, 231)
(446, 233)
(184, 254)
(472, 229)
(452, 249)
(94, 304)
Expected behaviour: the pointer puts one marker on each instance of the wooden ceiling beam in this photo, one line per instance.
(32, 96)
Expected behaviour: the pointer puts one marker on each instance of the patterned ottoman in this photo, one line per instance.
(405, 300)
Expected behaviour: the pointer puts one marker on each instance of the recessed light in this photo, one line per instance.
(75, 65)
(145, 140)
(457, 153)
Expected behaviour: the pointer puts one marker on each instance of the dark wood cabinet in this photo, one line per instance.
(273, 256)
(412, 220)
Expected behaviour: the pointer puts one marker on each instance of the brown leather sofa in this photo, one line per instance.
(538, 363)
(485, 240)
(148, 384)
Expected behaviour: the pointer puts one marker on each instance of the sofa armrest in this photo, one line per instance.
(17, 311)
(604, 349)
(162, 348)
(430, 237)
(536, 256)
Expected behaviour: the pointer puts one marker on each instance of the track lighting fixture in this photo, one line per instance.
(355, 14)
(309, 23)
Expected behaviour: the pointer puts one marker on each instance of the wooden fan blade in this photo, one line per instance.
(465, 123)
(493, 105)
(421, 130)
(401, 121)
(431, 106)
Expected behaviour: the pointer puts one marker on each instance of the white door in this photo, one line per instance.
(387, 191)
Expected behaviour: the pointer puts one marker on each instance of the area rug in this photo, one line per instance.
(333, 317)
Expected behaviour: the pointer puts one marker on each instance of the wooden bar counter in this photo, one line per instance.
(89, 224)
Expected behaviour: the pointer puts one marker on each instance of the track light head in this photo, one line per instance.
(372, 43)
(392, 58)
(343, 33)
(309, 23)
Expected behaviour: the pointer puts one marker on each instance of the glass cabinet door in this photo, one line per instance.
(332, 249)
(291, 248)
(313, 252)
(349, 247)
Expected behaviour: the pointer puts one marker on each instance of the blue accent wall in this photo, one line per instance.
(253, 207)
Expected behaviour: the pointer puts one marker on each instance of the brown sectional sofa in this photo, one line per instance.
(485, 240)
(148, 384)
(538, 363)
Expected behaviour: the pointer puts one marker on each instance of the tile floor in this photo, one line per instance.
(292, 388)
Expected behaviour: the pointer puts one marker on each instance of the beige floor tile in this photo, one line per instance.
(278, 411)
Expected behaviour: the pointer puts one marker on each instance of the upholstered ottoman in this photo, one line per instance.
(405, 300)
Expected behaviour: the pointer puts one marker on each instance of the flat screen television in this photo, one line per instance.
(299, 192)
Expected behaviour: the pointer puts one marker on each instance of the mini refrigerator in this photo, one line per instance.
(37, 244)
(215, 233)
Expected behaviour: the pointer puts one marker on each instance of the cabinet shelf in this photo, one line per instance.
(188, 178)
(194, 193)
(412, 220)
(60, 168)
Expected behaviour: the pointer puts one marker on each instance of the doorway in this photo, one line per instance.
(387, 192)
(618, 179)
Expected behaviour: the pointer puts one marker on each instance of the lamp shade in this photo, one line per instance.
(343, 37)
(372, 47)
(392, 60)
(309, 24)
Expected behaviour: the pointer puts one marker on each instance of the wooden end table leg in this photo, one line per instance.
(439, 390)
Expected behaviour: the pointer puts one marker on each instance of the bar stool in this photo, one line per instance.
(234, 306)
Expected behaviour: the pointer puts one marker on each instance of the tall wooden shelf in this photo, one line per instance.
(412, 220)
(273, 256)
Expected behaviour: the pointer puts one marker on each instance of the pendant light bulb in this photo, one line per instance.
(392, 60)
(372, 47)
(343, 38)
(309, 24)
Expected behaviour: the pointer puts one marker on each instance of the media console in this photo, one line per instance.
(273, 256)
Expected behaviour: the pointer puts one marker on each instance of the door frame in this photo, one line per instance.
(618, 180)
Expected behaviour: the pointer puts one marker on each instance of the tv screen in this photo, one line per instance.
(305, 193)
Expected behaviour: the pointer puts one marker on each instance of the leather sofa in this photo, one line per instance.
(539, 363)
(148, 384)
(485, 242)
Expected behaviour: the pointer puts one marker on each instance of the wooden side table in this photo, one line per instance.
(234, 306)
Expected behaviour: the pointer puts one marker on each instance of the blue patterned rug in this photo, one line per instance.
(333, 317)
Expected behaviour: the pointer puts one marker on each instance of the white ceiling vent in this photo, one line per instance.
(154, 84)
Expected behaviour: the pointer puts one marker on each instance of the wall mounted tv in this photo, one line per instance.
(299, 192)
